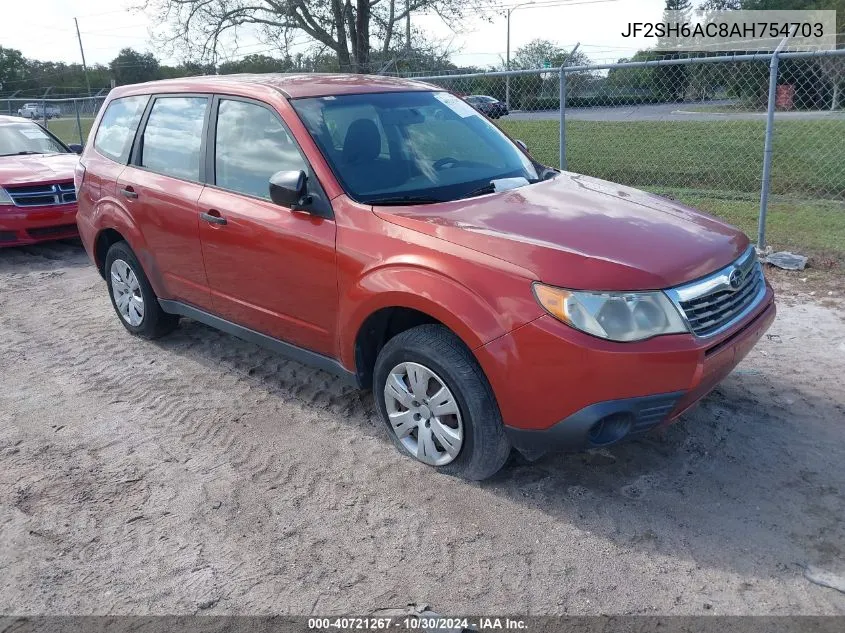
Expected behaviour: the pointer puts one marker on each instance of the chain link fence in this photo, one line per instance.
(694, 129)
(70, 119)
(697, 129)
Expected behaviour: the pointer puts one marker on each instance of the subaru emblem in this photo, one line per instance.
(735, 279)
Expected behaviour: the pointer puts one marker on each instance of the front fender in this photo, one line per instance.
(475, 316)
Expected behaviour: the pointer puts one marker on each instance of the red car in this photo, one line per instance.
(383, 230)
(37, 197)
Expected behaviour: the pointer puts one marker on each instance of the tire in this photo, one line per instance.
(153, 322)
(483, 447)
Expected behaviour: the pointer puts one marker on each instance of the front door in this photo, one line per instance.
(269, 268)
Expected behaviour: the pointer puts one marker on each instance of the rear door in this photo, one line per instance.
(112, 145)
(161, 186)
(269, 268)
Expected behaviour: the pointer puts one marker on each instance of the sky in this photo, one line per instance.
(45, 30)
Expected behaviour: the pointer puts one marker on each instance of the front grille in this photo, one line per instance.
(716, 302)
(47, 231)
(42, 195)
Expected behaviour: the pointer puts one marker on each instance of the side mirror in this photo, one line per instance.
(522, 145)
(287, 189)
(76, 148)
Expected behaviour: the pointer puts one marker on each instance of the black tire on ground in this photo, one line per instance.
(155, 322)
(485, 447)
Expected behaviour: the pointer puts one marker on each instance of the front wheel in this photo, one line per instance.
(437, 404)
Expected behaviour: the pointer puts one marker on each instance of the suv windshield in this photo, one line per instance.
(28, 138)
(414, 146)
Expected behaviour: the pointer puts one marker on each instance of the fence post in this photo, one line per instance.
(562, 108)
(78, 122)
(44, 111)
(767, 147)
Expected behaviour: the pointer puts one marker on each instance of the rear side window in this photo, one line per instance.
(118, 126)
(172, 138)
(252, 145)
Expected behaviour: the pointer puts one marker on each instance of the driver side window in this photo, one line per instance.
(251, 145)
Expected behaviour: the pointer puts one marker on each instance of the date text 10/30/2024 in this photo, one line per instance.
(416, 623)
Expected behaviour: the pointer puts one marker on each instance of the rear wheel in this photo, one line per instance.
(437, 404)
(132, 296)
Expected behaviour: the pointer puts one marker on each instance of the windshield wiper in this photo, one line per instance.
(403, 200)
(488, 188)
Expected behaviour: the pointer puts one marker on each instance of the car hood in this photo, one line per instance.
(35, 169)
(583, 233)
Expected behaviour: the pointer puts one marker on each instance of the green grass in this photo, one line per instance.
(67, 130)
(815, 228)
(723, 109)
(717, 167)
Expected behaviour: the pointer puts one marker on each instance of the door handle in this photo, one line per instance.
(129, 192)
(213, 217)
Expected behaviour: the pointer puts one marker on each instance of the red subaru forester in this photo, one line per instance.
(37, 197)
(383, 230)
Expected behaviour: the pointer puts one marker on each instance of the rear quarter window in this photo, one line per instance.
(118, 126)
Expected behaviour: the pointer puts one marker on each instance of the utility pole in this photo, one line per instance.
(82, 52)
(508, 53)
(408, 24)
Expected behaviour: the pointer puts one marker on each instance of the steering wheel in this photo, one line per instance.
(442, 163)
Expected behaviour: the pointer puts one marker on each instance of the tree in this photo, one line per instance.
(537, 53)
(683, 7)
(671, 81)
(781, 5)
(349, 28)
(13, 69)
(831, 69)
(542, 90)
(131, 67)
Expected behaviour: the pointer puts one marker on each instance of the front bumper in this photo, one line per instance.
(560, 389)
(597, 425)
(30, 225)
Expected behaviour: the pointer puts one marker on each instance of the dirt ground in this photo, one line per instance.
(201, 473)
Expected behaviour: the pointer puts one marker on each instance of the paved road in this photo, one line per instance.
(667, 112)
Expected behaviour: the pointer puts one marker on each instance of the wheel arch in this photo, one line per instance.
(102, 243)
(393, 299)
(377, 329)
(114, 224)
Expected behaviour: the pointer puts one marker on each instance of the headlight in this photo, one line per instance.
(5, 198)
(617, 316)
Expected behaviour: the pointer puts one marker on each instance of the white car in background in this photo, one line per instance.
(36, 111)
